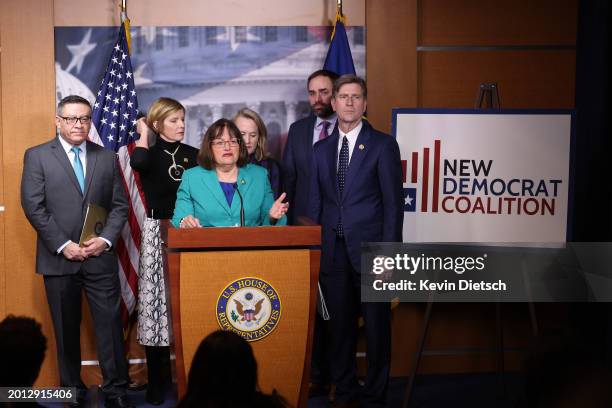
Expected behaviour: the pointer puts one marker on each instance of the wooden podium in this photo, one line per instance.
(207, 267)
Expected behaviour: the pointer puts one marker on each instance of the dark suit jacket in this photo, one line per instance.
(372, 204)
(55, 206)
(297, 162)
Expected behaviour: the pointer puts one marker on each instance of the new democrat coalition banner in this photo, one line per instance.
(485, 176)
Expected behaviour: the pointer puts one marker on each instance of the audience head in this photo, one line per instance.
(166, 116)
(223, 374)
(223, 363)
(22, 351)
(222, 146)
(253, 132)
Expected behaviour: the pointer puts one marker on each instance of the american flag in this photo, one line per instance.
(114, 127)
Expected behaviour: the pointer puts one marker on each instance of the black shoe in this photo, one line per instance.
(155, 395)
(136, 386)
(119, 402)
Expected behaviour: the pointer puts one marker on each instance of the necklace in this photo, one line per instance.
(175, 171)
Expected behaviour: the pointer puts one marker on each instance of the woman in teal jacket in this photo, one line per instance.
(210, 194)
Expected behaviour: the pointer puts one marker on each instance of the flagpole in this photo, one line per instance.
(339, 17)
(126, 23)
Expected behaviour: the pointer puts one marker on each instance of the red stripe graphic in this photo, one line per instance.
(404, 171)
(415, 167)
(425, 179)
(436, 175)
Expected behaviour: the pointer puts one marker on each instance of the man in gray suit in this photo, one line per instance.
(60, 178)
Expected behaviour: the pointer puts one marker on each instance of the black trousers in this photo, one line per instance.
(319, 367)
(98, 277)
(341, 287)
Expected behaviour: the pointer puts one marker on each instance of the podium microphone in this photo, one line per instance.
(241, 204)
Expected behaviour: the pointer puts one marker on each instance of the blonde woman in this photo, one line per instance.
(254, 134)
(160, 166)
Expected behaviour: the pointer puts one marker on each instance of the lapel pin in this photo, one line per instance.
(242, 182)
(361, 147)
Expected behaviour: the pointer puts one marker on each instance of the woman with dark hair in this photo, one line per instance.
(160, 165)
(255, 137)
(223, 374)
(214, 193)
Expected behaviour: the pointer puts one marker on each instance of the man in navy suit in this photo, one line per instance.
(356, 196)
(297, 161)
(303, 134)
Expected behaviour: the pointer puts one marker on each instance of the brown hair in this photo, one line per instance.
(323, 72)
(160, 110)
(260, 148)
(350, 79)
(215, 131)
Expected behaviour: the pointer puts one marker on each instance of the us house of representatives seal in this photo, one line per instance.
(250, 307)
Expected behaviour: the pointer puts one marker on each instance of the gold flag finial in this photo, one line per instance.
(126, 23)
(339, 17)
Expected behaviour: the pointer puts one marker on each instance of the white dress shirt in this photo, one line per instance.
(83, 156)
(319, 124)
(352, 139)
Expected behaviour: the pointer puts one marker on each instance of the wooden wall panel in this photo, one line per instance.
(390, 58)
(526, 79)
(2, 260)
(206, 12)
(500, 22)
(28, 98)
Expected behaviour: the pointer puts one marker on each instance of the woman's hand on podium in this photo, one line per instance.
(189, 222)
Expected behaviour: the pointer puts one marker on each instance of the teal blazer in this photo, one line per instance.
(201, 195)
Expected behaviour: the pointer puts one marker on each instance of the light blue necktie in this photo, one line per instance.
(78, 167)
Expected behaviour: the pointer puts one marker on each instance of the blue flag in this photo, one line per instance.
(339, 58)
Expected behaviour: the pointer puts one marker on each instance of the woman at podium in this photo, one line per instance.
(160, 159)
(225, 190)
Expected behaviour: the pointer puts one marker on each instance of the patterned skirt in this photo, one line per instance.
(153, 327)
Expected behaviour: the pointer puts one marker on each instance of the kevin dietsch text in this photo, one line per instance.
(415, 264)
(427, 285)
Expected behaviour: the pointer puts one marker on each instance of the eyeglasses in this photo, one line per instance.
(220, 144)
(346, 97)
(72, 120)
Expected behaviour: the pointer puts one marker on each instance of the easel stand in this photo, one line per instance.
(487, 92)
